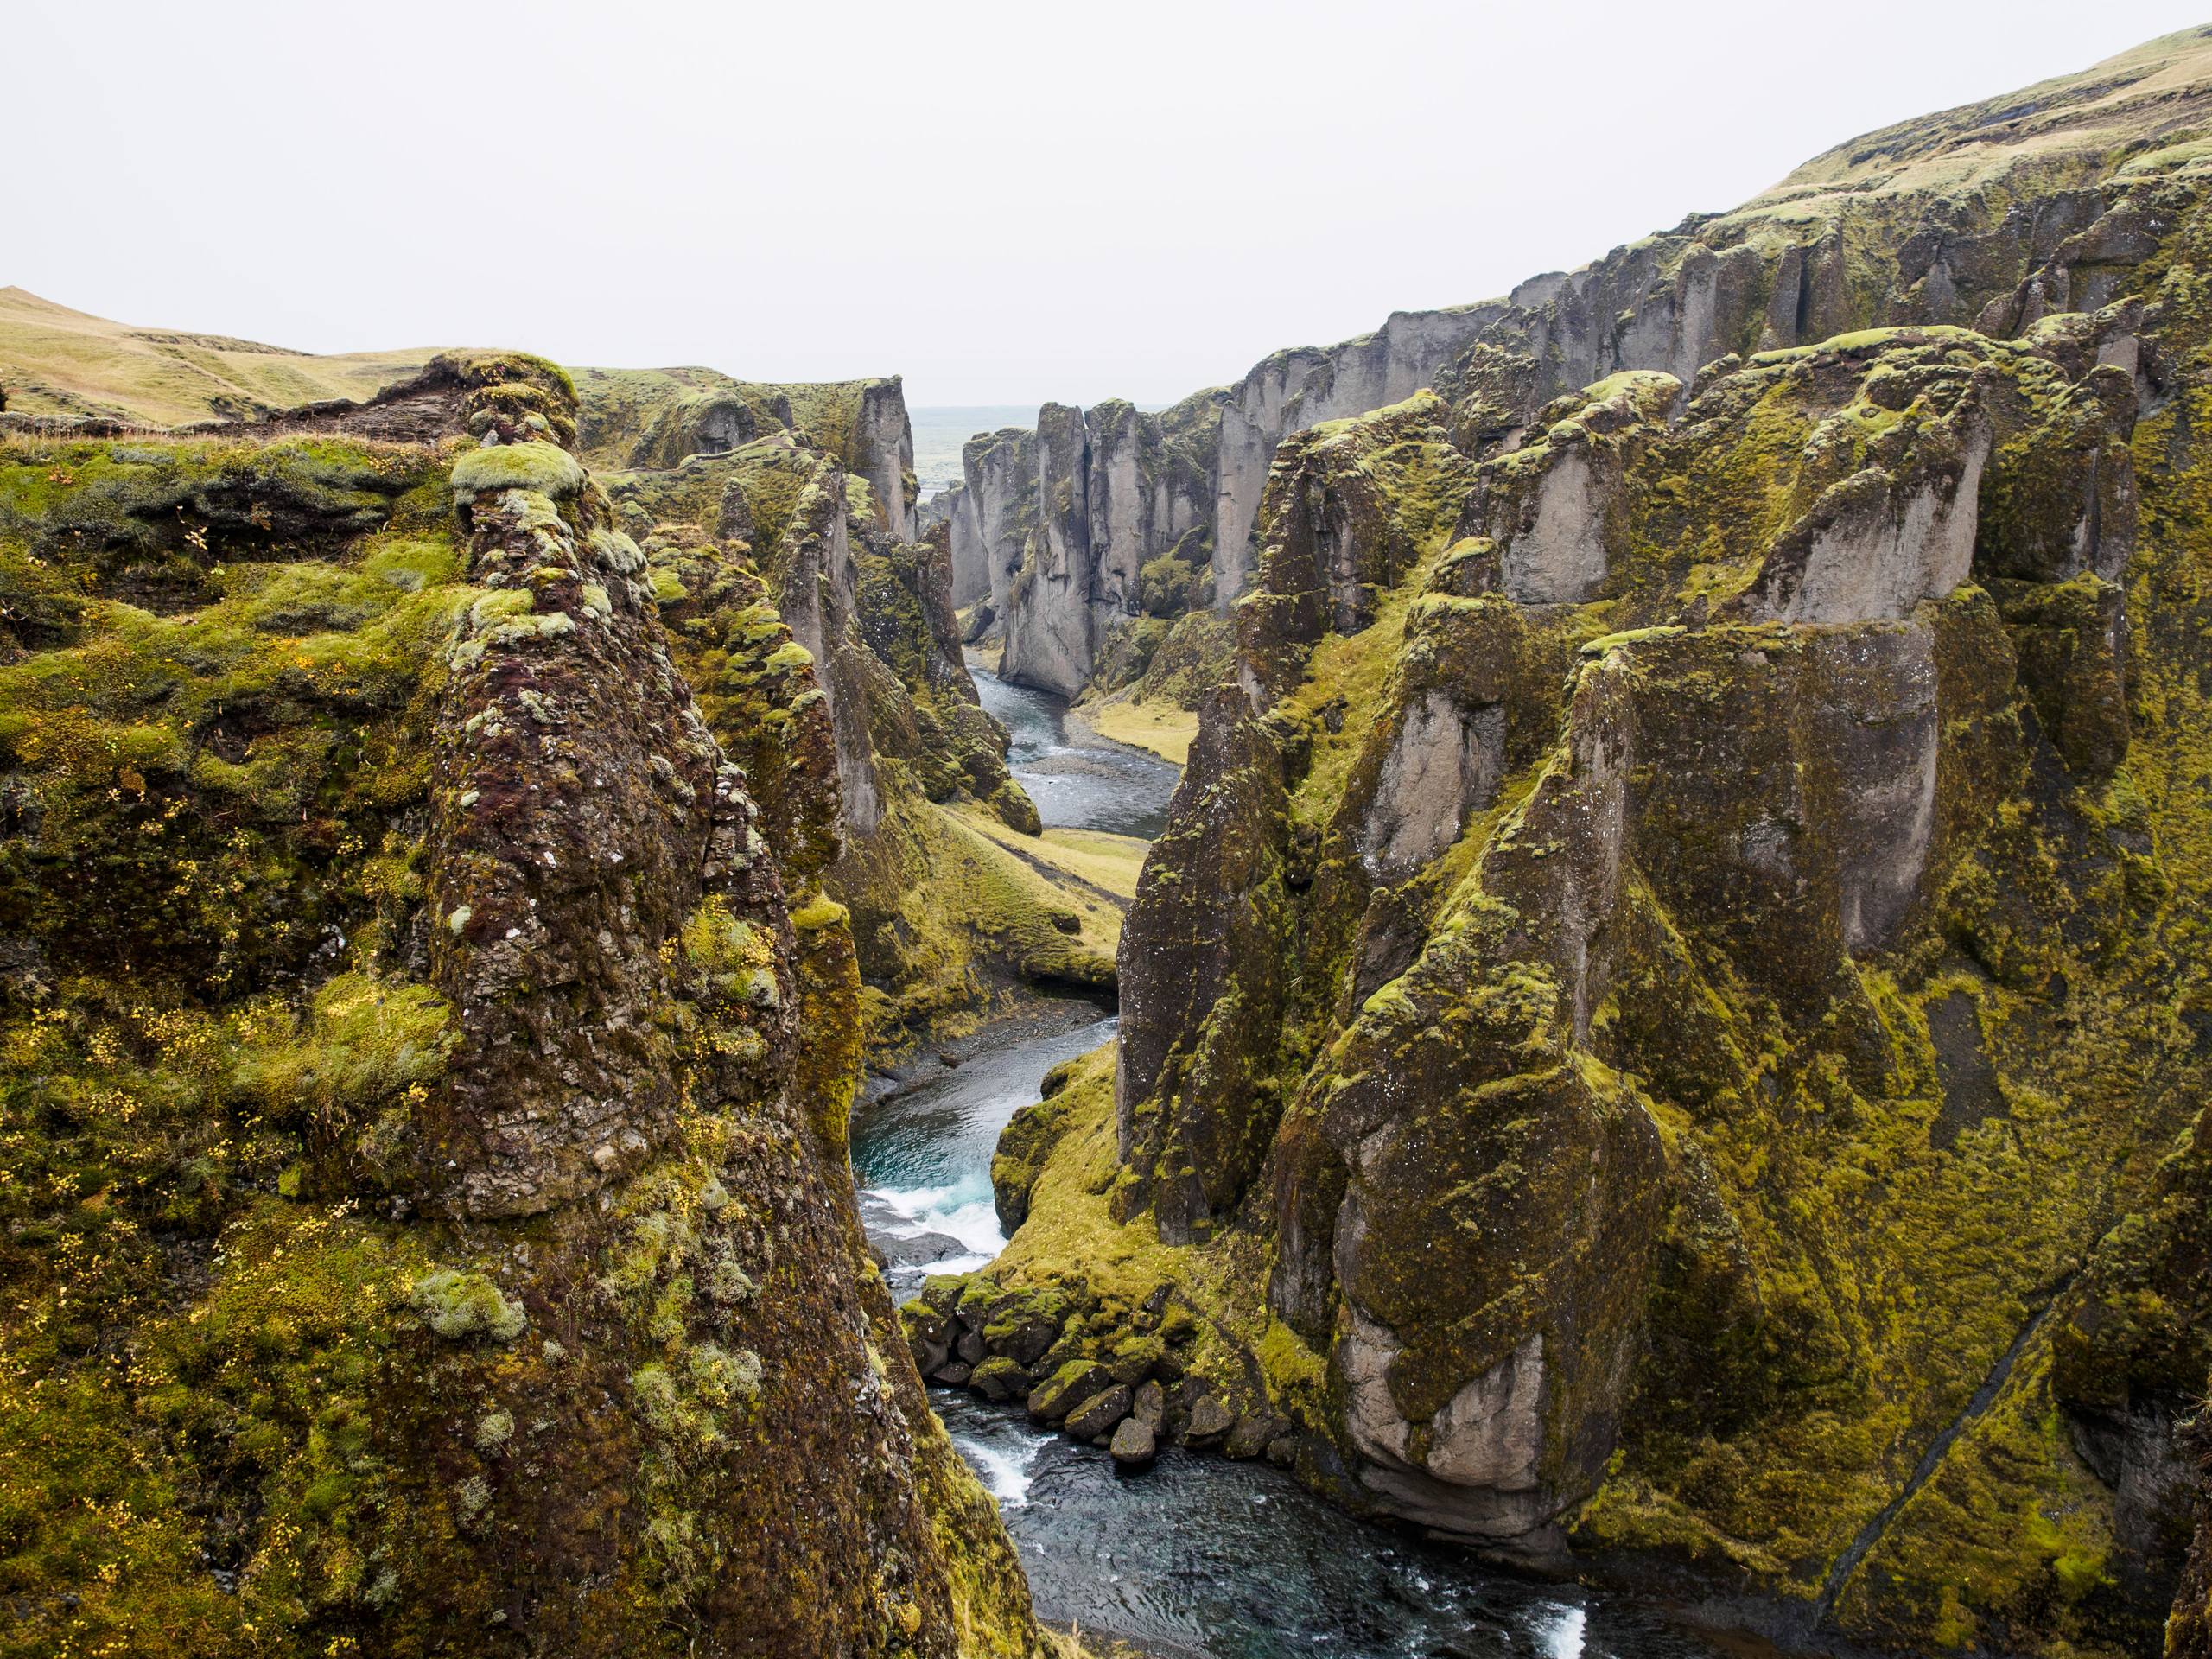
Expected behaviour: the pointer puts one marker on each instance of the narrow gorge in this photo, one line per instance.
(1530, 986)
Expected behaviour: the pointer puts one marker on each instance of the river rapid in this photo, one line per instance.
(1197, 1556)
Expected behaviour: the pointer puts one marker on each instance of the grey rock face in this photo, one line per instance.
(1445, 763)
(1055, 528)
(1476, 1474)
(883, 453)
(992, 518)
(1875, 545)
(1049, 626)
(817, 601)
(1295, 389)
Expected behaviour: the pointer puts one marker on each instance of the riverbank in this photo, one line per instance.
(1160, 729)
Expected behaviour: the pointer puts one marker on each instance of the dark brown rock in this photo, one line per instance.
(1134, 1445)
(1098, 1414)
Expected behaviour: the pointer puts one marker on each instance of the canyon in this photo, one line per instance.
(574, 953)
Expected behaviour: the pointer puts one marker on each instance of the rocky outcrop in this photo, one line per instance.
(422, 1064)
(656, 419)
(1079, 528)
(1660, 1035)
(881, 449)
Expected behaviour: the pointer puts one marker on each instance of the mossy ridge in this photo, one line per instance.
(1836, 1322)
(261, 1381)
(633, 418)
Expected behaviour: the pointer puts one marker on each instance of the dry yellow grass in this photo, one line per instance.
(1106, 863)
(56, 361)
(1053, 871)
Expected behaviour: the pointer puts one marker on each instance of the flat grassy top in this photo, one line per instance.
(2159, 93)
(56, 361)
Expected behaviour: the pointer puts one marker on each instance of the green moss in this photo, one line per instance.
(458, 1306)
(542, 467)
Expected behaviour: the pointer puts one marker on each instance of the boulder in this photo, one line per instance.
(1098, 1414)
(1253, 1435)
(1149, 1405)
(1209, 1421)
(1134, 1444)
(1135, 1359)
(1073, 1384)
(1000, 1378)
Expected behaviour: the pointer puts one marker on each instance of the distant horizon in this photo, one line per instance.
(981, 242)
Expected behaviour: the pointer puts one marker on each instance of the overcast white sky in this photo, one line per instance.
(1006, 202)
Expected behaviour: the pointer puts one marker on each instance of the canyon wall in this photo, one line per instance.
(428, 1050)
(947, 917)
(1664, 1033)
(1908, 225)
(1056, 530)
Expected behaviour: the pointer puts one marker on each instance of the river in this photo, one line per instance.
(1197, 1556)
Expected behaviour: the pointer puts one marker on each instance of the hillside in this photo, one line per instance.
(56, 361)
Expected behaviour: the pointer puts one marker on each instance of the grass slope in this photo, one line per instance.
(56, 361)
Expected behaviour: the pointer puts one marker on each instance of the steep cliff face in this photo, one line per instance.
(1295, 389)
(1664, 1031)
(425, 1079)
(1952, 219)
(950, 920)
(993, 514)
(1083, 526)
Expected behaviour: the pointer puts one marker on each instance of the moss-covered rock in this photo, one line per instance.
(425, 1203)
(1676, 1019)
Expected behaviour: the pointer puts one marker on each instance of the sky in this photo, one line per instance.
(1005, 203)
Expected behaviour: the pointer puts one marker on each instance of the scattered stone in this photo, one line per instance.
(1150, 1406)
(1098, 1414)
(1134, 1445)
(1000, 1378)
(1253, 1435)
(1209, 1421)
(1135, 1358)
(1067, 1387)
(954, 1374)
